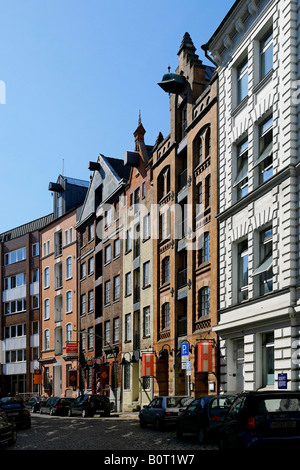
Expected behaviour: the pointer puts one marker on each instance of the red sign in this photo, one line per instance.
(148, 365)
(37, 377)
(72, 348)
(205, 356)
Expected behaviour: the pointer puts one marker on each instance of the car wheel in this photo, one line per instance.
(201, 436)
(178, 431)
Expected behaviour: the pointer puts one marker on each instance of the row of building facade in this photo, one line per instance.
(175, 269)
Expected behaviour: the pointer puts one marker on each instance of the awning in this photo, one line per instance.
(265, 266)
(266, 153)
(242, 173)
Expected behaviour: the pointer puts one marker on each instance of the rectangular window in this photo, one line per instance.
(35, 249)
(107, 333)
(265, 159)
(90, 338)
(128, 327)
(242, 81)
(58, 272)
(146, 227)
(108, 218)
(15, 256)
(117, 248)
(266, 54)
(107, 254)
(83, 304)
(107, 293)
(90, 301)
(243, 271)
(58, 243)
(146, 313)
(83, 271)
(146, 274)
(46, 277)
(265, 270)
(268, 359)
(58, 308)
(128, 283)
(116, 287)
(128, 240)
(91, 265)
(116, 332)
(241, 182)
(91, 230)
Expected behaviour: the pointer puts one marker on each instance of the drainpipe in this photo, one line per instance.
(204, 47)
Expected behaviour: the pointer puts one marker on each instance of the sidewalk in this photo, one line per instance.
(124, 414)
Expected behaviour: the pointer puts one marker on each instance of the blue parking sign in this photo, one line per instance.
(184, 349)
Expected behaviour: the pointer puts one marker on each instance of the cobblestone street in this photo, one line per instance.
(115, 433)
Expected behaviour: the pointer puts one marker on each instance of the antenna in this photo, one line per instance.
(63, 165)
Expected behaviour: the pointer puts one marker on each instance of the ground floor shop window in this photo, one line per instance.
(268, 359)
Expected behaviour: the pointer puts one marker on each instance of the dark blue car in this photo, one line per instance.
(15, 410)
(204, 417)
(263, 420)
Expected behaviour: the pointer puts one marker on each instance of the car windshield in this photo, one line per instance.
(221, 402)
(277, 404)
(10, 400)
(173, 402)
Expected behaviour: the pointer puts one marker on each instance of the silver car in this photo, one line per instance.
(163, 411)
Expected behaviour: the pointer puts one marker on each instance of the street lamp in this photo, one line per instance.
(132, 359)
(162, 354)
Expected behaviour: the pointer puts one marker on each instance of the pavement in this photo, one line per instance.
(124, 414)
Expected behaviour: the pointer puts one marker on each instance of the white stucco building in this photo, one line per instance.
(256, 49)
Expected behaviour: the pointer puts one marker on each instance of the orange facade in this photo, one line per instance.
(58, 281)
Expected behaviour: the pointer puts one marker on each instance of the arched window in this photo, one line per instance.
(69, 267)
(69, 301)
(207, 142)
(166, 270)
(69, 333)
(204, 248)
(46, 309)
(204, 301)
(46, 339)
(166, 316)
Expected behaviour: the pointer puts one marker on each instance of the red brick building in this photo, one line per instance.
(185, 253)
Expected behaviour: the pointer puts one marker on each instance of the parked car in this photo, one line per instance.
(263, 420)
(15, 410)
(89, 405)
(34, 404)
(56, 406)
(162, 411)
(204, 417)
(8, 430)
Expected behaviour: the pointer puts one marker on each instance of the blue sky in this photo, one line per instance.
(76, 75)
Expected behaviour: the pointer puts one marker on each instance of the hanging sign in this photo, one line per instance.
(205, 356)
(148, 364)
